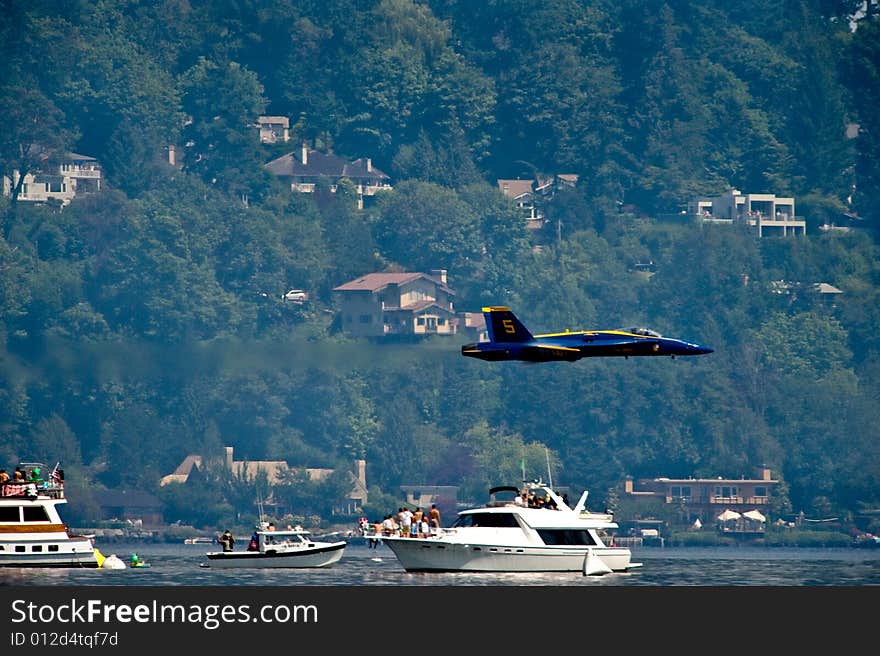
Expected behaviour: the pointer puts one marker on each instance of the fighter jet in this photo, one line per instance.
(509, 339)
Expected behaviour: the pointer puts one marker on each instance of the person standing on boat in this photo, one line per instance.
(406, 518)
(227, 540)
(434, 516)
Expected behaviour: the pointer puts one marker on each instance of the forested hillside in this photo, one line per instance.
(145, 322)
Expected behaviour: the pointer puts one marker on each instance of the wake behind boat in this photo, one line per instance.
(292, 547)
(511, 536)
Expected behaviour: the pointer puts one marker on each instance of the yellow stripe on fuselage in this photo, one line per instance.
(595, 332)
(556, 348)
(496, 308)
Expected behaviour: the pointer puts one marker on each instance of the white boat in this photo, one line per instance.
(31, 531)
(506, 536)
(292, 547)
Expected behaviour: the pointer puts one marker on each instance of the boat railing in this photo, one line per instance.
(33, 489)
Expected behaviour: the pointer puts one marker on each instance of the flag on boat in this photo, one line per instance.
(56, 473)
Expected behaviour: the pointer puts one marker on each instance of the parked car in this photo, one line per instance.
(296, 295)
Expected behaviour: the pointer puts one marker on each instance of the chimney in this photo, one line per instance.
(439, 274)
(228, 457)
(369, 165)
(764, 473)
(628, 485)
(172, 155)
(360, 471)
(305, 153)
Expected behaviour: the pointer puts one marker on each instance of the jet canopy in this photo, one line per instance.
(647, 332)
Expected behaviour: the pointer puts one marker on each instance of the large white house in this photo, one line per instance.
(77, 174)
(766, 212)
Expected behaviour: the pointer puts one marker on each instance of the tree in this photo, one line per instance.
(424, 226)
(862, 70)
(223, 101)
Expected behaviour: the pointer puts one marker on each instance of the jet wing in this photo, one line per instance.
(549, 352)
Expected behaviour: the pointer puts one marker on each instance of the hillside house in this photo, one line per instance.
(304, 170)
(706, 498)
(274, 470)
(77, 174)
(527, 194)
(380, 304)
(131, 505)
(274, 129)
(473, 325)
(765, 212)
(522, 192)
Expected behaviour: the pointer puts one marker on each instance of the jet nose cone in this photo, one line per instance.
(699, 349)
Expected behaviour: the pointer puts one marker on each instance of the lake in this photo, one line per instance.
(178, 565)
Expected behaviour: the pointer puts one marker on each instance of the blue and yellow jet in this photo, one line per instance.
(510, 340)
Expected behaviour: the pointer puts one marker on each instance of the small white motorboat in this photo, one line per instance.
(292, 547)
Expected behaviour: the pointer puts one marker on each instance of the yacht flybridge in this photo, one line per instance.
(533, 530)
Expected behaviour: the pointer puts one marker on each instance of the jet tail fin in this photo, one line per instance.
(503, 326)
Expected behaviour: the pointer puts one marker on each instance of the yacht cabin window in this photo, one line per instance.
(35, 514)
(10, 514)
(566, 536)
(495, 520)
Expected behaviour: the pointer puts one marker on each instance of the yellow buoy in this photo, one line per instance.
(100, 557)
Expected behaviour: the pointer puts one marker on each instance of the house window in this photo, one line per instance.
(441, 321)
(761, 491)
(420, 321)
(725, 491)
(432, 323)
(54, 187)
(677, 492)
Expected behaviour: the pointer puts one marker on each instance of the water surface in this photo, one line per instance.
(179, 565)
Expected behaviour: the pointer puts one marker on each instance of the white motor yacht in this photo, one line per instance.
(31, 531)
(510, 536)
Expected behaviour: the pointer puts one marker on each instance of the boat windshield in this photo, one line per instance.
(282, 537)
(502, 520)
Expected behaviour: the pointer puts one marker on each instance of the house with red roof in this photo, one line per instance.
(381, 304)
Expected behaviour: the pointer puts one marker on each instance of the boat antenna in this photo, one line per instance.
(260, 505)
(522, 463)
(549, 473)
